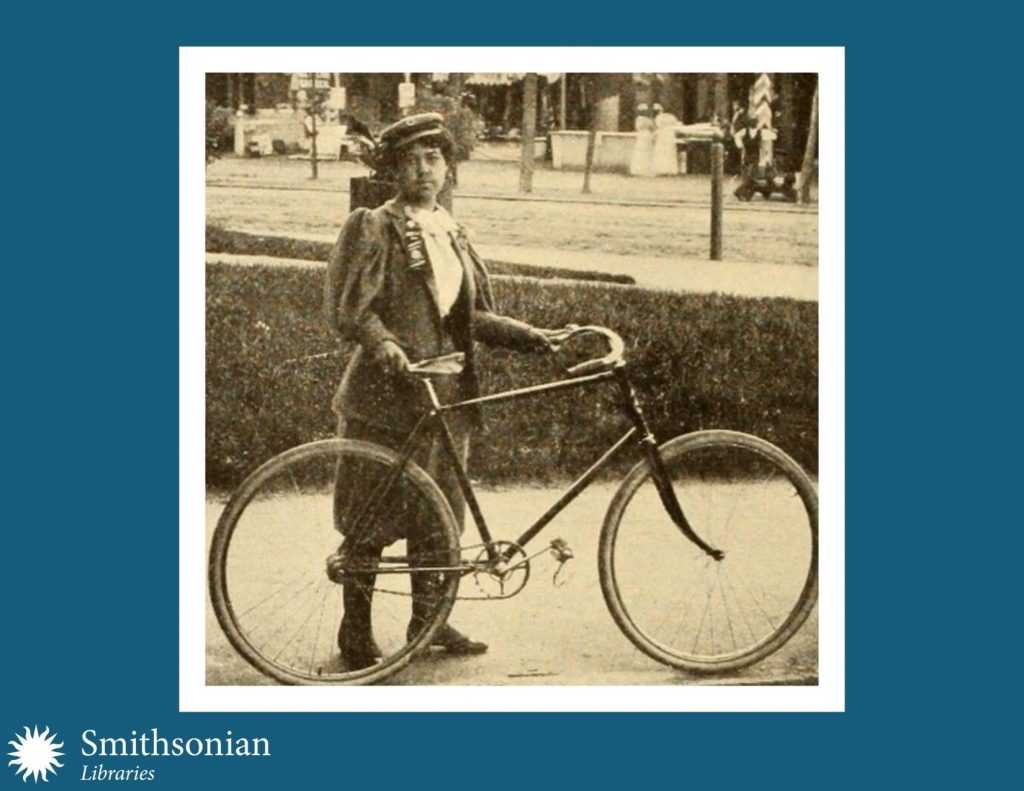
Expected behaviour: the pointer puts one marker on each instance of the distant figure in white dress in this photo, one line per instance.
(665, 161)
(641, 163)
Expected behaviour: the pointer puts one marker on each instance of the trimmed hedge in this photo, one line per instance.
(697, 361)
(219, 240)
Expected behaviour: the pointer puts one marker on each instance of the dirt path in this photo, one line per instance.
(548, 634)
(277, 196)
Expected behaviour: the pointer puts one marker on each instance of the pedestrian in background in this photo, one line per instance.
(746, 138)
(641, 162)
(665, 160)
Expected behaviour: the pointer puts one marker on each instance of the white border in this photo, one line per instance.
(829, 695)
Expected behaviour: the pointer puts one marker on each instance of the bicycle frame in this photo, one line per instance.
(433, 421)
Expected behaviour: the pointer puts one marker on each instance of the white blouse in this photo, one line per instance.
(438, 228)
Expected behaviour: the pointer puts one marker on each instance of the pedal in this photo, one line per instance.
(561, 551)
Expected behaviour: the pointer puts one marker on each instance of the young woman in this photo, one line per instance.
(403, 284)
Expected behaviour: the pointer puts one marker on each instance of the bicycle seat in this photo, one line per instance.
(444, 365)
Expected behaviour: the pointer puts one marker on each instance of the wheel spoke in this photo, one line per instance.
(301, 627)
(727, 613)
(703, 618)
(299, 605)
(279, 606)
(681, 613)
(281, 588)
(268, 582)
(743, 611)
(725, 606)
(316, 637)
(759, 603)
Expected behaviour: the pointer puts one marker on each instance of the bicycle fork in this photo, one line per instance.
(657, 466)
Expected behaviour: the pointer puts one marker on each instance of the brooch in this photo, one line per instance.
(414, 243)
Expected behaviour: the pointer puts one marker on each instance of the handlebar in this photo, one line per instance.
(616, 348)
(453, 363)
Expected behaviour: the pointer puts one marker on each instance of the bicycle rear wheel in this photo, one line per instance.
(272, 591)
(742, 495)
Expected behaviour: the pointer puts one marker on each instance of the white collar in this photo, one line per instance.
(436, 223)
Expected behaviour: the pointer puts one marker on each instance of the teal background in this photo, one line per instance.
(90, 327)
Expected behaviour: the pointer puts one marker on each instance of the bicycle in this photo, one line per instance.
(724, 578)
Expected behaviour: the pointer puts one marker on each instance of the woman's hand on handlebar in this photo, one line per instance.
(555, 338)
(390, 356)
(545, 340)
(612, 359)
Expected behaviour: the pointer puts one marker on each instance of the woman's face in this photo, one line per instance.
(422, 171)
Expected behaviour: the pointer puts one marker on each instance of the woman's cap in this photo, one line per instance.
(657, 107)
(411, 128)
(640, 108)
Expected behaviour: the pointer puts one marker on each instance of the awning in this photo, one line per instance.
(304, 80)
(505, 78)
(492, 78)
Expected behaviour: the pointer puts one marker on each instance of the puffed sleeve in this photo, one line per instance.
(356, 271)
(488, 326)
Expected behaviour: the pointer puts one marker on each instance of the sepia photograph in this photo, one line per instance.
(510, 379)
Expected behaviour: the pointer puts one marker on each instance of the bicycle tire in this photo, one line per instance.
(668, 596)
(270, 549)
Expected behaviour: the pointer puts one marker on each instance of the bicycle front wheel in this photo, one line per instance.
(282, 578)
(741, 495)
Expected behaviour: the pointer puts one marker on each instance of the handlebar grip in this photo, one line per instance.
(588, 367)
(611, 360)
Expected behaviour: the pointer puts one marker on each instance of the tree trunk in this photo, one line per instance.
(722, 97)
(812, 144)
(529, 131)
(456, 83)
(599, 87)
(563, 89)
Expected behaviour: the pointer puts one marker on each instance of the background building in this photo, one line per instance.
(606, 102)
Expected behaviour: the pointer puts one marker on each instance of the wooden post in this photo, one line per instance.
(561, 105)
(506, 113)
(722, 97)
(705, 98)
(804, 190)
(592, 94)
(312, 116)
(589, 165)
(717, 167)
(529, 132)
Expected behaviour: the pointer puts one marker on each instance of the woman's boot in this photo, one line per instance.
(426, 594)
(355, 634)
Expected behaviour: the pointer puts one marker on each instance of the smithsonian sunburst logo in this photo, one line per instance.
(35, 754)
